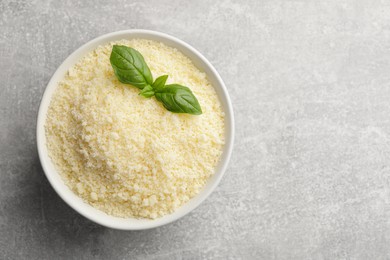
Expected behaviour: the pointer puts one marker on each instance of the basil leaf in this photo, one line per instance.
(159, 83)
(147, 91)
(130, 67)
(178, 99)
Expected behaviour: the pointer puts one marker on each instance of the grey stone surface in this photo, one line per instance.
(310, 173)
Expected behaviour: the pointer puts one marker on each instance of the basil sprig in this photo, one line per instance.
(130, 68)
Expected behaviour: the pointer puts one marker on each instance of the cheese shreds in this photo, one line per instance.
(125, 154)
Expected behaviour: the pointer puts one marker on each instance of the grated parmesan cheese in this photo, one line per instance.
(127, 155)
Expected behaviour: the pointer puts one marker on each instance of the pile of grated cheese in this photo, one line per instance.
(127, 155)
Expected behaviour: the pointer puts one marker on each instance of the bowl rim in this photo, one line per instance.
(71, 200)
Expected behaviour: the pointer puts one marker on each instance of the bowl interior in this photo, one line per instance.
(77, 203)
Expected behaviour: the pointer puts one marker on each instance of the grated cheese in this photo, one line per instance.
(127, 155)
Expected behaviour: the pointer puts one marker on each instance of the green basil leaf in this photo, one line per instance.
(178, 99)
(147, 91)
(159, 83)
(130, 67)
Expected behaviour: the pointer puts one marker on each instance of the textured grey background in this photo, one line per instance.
(310, 173)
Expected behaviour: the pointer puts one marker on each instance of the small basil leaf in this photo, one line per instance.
(147, 91)
(178, 99)
(130, 67)
(159, 83)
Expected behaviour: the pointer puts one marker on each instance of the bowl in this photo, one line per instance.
(76, 202)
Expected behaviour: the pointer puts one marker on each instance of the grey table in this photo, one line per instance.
(310, 173)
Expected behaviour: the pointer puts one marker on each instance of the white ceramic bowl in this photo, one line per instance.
(77, 203)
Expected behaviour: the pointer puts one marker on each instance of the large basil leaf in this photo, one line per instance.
(178, 99)
(130, 67)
